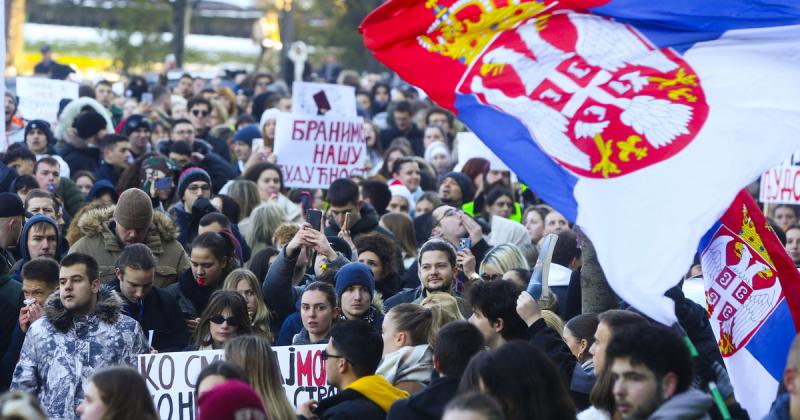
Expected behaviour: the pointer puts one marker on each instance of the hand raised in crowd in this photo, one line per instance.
(528, 308)
(192, 324)
(473, 228)
(307, 408)
(28, 315)
(466, 260)
(316, 240)
(297, 242)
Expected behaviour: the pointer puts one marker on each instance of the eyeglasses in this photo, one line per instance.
(447, 213)
(204, 187)
(491, 277)
(325, 355)
(219, 320)
(199, 113)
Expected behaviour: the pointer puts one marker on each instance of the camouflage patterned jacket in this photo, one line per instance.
(61, 351)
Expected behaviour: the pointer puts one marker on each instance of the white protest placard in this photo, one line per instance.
(781, 185)
(171, 377)
(39, 97)
(314, 151)
(470, 146)
(323, 99)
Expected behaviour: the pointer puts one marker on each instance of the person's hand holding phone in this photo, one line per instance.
(319, 243)
(466, 260)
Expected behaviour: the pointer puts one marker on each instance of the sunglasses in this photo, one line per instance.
(219, 320)
(325, 355)
(199, 113)
(204, 187)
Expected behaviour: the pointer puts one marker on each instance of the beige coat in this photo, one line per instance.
(100, 241)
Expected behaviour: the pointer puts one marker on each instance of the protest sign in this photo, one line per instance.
(781, 185)
(39, 97)
(323, 99)
(171, 377)
(314, 151)
(470, 146)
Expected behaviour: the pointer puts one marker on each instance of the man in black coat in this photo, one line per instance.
(347, 211)
(456, 343)
(154, 309)
(351, 358)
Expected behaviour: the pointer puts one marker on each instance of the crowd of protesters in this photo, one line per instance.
(158, 221)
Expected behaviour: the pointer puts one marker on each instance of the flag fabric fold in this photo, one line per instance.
(638, 120)
(753, 296)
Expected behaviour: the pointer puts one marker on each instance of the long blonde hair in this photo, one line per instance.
(254, 355)
(260, 320)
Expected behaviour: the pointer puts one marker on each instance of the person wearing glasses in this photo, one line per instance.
(199, 153)
(224, 318)
(200, 116)
(194, 193)
(351, 358)
(106, 232)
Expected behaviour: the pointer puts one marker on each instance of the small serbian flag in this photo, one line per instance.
(639, 120)
(753, 297)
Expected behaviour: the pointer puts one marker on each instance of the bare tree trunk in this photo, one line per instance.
(596, 294)
(181, 21)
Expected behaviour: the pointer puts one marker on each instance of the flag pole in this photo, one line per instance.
(712, 386)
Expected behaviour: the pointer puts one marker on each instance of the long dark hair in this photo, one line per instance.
(222, 247)
(526, 383)
(124, 393)
(220, 300)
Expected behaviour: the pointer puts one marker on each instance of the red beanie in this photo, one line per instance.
(231, 400)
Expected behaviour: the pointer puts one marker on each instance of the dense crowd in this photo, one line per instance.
(158, 221)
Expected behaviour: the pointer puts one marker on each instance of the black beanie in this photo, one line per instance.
(89, 124)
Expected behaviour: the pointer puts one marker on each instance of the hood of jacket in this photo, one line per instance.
(71, 111)
(23, 238)
(378, 390)
(101, 186)
(692, 404)
(431, 401)
(107, 309)
(96, 222)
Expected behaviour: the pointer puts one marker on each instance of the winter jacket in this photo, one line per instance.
(189, 223)
(367, 224)
(11, 356)
(417, 295)
(407, 364)
(101, 242)
(428, 403)
(291, 326)
(550, 343)
(158, 312)
(192, 298)
(279, 293)
(70, 195)
(689, 405)
(414, 136)
(303, 338)
(10, 304)
(367, 398)
(85, 158)
(61, 351)
(23, 241)
(290, 209)
(507, 231)
(107, 172)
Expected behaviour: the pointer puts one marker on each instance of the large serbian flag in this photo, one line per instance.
(639, 120)
(753, 297)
